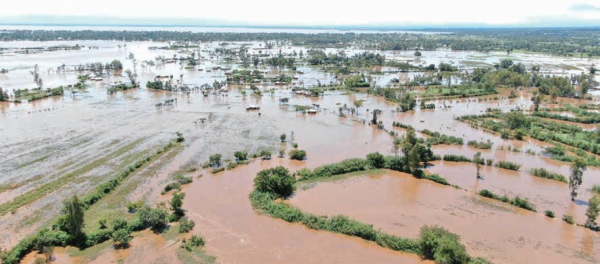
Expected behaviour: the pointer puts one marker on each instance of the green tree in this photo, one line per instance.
(176, 203)
(276, 180)
(576, 178)
(73, 216)
(121, 238)
(283, 137)
(414, 160)
(215, 160)
(476, 159)
(592, 212)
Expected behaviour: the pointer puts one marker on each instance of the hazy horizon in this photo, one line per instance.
(307, 14)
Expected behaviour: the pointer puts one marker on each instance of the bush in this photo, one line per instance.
(121, 237)
(487, 193)
(489, 162)
(481, 144)
(442, 246)
(376, 160)
(517, 201)
(217, 170)
(568, 219)
(345, 166)
(98, 236)
(297, 154)
(182, 179)
(456, 158)
(523, 203)
(276, 181)
(232, 165)
(180, 137)
(596, 189)
(131, 207)
(156, 218)
(215, 160)
(119, 223)
(194, 242)
(549, 213)
(265, 154)
(241, 155)
(543, 173)
(437, 178)
(186, 225)
(172, 186)
(102, 223)
(508, 165)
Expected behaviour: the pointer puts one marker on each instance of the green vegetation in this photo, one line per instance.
(435, 138)
(194, 242)
(455, 158)
(480, 144)
(549, 213)
(568, 219)
(517, 201)
(297, 154)
(576, 177)
(276, 181)
(543, 173)
(508, 165)
(434, 243)
(186, 225)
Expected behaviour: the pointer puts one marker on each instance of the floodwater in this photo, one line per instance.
(97, 135)
(400, 204)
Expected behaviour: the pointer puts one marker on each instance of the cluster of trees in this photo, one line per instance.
(4, 95)
(561, 41)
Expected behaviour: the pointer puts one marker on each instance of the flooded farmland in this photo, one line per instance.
(123, 119)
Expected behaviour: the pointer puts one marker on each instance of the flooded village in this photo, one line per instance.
(320, 147)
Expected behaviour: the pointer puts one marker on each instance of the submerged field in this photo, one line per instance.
(58, 146)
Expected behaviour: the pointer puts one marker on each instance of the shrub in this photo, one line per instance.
(568, 219)
(232, 165)
(156, 218)
(217, 170)
(442, 246)
(98, 236)
(596, 189)
(489, 162)
(131, 207)
(487, 193)
(297, 154)
(241, 155)
(276, 181)
(543, 173)
(102, 223)
(119, 223)
(523, 203)
(215, 160)
(265, 154)
(172, 186)
(549, 213)
(480, 144)
(180, 137)
(283, 137)
(376, 160)
(456, 158)
(345, 166)
(121, 237)
(437, 178)
(182, 179)
(295, 145)
(186, 225)
(194, 242)
(508, 165)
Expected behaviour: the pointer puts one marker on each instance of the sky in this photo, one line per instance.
(310, 12)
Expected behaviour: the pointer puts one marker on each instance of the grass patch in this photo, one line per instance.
(543, 173)
(517, 201)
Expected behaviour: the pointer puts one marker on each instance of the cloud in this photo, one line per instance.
(582, 7)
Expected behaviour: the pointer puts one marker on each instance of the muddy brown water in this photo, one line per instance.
(55, 136)
(400, 204)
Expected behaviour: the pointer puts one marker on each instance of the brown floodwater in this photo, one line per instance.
(400, 204)
(49, 138)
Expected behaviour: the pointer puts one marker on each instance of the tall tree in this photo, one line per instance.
(73, 215)
(576, 178)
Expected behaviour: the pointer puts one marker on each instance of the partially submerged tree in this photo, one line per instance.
(576, 178)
